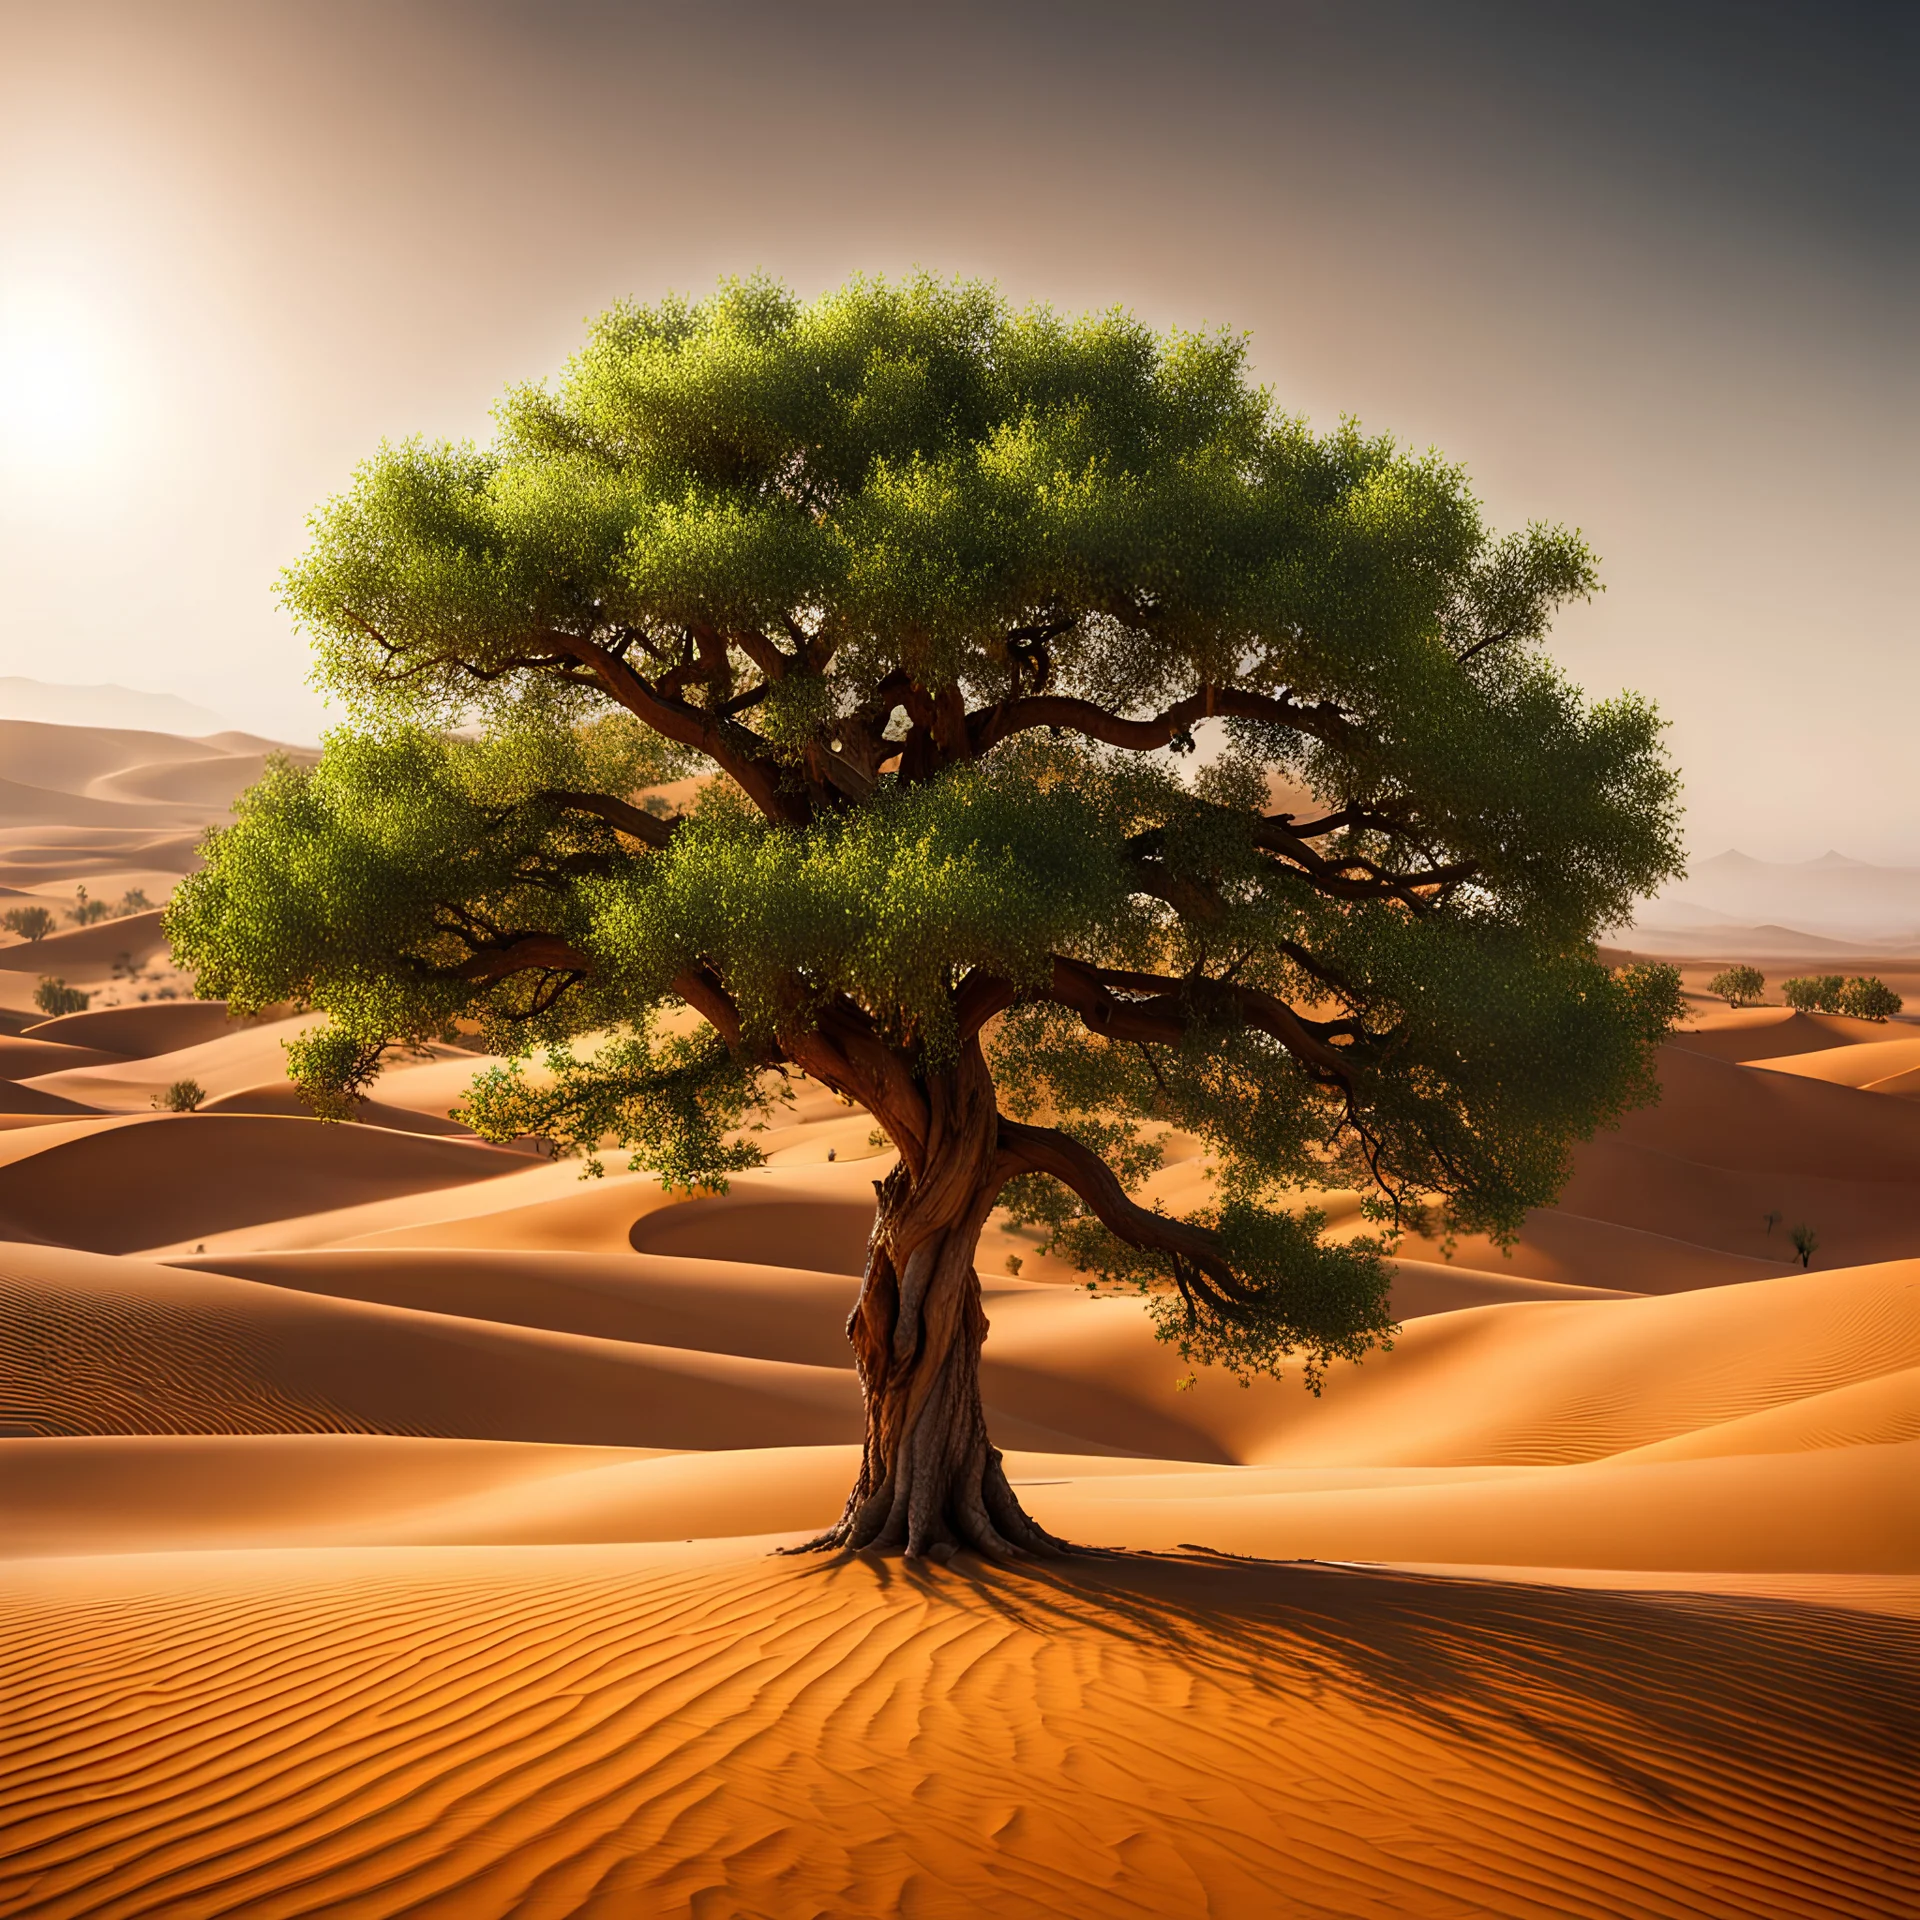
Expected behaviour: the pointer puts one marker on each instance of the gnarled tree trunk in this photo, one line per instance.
(930, 1478)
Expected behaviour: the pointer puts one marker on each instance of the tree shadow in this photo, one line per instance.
(1648, 1690)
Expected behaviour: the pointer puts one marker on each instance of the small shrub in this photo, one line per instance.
(1805, 1243)
(54, 997)
(1739, 986)
(30, 923)
(85, 912)
(184, 1096)
(1869, 999)
(1815, 993)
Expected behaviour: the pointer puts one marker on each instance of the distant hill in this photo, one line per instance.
(104, 706)
(1836, 899)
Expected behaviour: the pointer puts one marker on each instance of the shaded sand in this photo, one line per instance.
(113, 1185)
(1770, 1033)
(657, 1730)
(142, 1032)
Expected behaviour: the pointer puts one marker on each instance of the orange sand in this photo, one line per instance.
(386, 1518)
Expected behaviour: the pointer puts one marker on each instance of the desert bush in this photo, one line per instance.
(184, 1096)
(86, 912)
(54, 997)
(1869, 999)
(1739, 986)
(1805, 1243)
(1815, 993)
(30, 923)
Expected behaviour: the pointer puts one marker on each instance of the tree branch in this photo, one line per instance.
(1029, 1149)
(733, 747)
(656, 830)
(987, 726)
(1150, 1012)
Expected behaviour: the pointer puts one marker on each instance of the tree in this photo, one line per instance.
(1814, 993)
(183, 1096)
(943, 600)
(1739, 986)
(54, 997)
(1867, 998)
(30, 923)
(1863, 997)
(1806, 1243)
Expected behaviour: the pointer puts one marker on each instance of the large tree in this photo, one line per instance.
(1091, 751)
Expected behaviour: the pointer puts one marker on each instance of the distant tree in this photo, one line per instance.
(184, 1096)
(30, 923)
(1739, 986)
(1815, 993)
(133, 901)
(85, 912)
(1805, 1243)
(1867, 998)
(937, 596)
(54, 997)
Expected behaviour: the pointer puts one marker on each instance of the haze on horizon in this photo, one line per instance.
(1645, 270)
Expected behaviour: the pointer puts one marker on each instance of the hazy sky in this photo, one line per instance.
(1645, 269)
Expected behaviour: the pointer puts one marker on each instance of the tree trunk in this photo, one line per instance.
(930, 1479)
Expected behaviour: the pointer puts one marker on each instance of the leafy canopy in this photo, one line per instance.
(935, 595)
(1739, 986)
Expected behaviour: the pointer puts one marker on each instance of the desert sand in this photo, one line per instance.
(388, 1520)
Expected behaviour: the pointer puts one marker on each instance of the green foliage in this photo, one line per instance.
(898, 569)
(1322, 1301)
(54, 997)
(332, 1066)
(674, 1099)
(1862, 997)
(1867, 998)
(1739, 986)
(1816, 993)
(183, 1096)
(30, 923)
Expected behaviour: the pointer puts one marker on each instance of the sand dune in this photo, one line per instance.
(170, 1177)
(1868, 1063)
(105, 1346)
(668, 1730)
(385, 1518)
(141, 1032)
(1770, 1033)
(23, 1056)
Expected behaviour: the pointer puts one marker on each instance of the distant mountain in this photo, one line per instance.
(104, 706)
(1832, 899)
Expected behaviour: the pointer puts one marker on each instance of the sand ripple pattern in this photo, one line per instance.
(76, 1361)
(615, 1732)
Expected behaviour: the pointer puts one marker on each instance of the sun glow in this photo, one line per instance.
(59, 409)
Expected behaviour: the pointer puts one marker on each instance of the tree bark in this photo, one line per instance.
(931, 1480)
